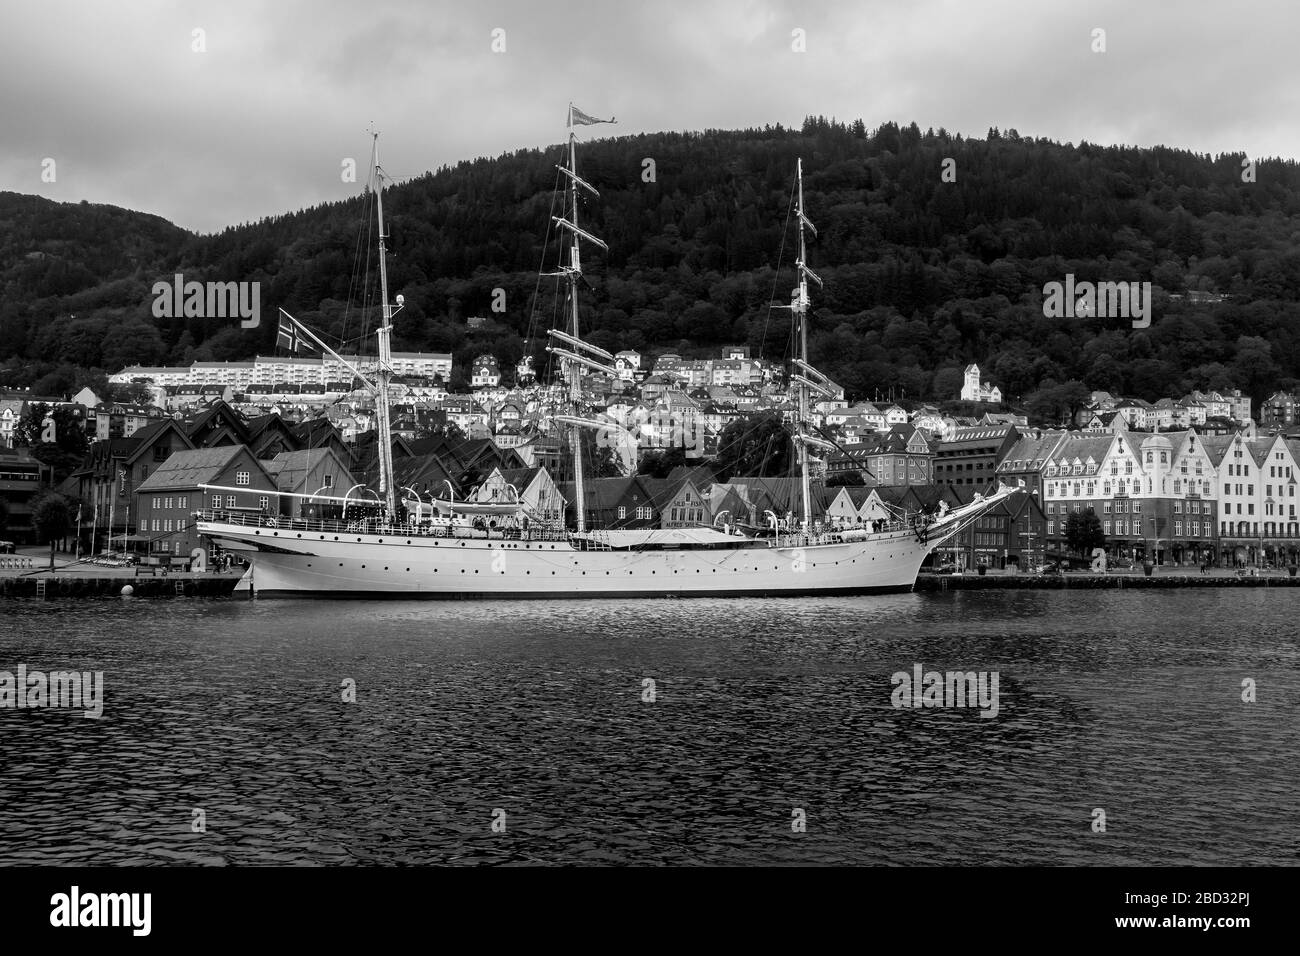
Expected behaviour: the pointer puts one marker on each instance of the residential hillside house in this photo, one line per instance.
(627, 364)
(109, 420)
(1279, 410)
(11, 412)
(484, 372)
(165, 502)
(1139, 414)
(973, 390)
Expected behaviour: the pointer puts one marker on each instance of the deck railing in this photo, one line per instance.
(377, 526)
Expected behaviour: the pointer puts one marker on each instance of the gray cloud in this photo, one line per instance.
(260, 122)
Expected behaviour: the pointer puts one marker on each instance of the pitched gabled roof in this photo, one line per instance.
(194, 466)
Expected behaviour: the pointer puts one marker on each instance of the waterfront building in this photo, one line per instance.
(1025, 460)
(856, 504)
(1256, 480)
(1154, 495)
(533, 486)
(20, 480)
(167, 499)
(970, 455)
(1011, 534)
(112, 471)
(309, 471)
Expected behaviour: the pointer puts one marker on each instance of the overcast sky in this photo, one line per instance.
(260, 122)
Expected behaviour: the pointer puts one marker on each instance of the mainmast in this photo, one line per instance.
(385, 370)
(575, 370)
(572, 355)
(799, 305)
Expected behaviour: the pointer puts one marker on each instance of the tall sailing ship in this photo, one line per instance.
(409, 547)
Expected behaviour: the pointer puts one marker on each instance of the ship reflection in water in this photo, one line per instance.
(657, 732)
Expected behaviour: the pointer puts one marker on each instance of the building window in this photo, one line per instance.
(262, 502)
(242, 477)
(216, 501)
(183, 501)
(230, 501)
(645, 513)
(329, 481)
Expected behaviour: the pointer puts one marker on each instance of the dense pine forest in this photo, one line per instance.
(922, 275)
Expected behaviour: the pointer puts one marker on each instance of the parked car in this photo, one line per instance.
(1119, 563)
(1051, 567)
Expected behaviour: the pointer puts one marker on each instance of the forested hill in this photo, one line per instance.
(922, 276)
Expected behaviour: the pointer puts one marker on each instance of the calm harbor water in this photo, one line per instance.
(1121, 700)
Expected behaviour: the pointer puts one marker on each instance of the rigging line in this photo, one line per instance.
(776, 277)
(359, 255)
(373, 186)
(537, 288)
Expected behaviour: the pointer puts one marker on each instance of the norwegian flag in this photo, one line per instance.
(578, 118)
(289, 337)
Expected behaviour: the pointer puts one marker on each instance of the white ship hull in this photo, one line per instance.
(478, 568)
(300, 560)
